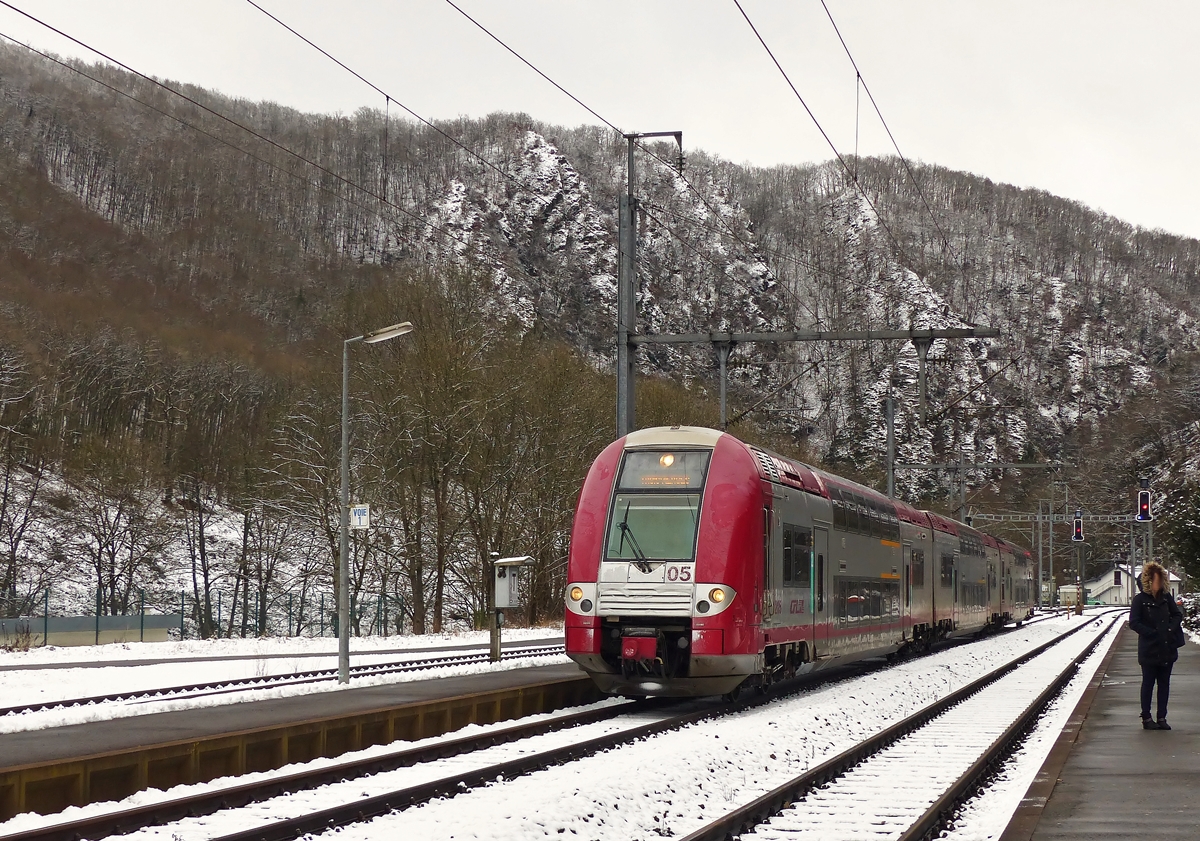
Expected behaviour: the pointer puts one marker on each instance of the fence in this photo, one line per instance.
(278, 614)
(29, 631)
(289, 614)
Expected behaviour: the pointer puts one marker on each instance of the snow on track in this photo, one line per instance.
(665, 785)
(887, 793)
(984, 817)
(29, 820)
(253, 648)
(53, 684)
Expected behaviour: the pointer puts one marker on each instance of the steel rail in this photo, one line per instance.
(743, 819)
(206, 803)
(290, 679)
(941, 812)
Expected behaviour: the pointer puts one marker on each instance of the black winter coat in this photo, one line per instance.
(1159, 626)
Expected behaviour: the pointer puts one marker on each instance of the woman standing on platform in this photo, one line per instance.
(1158, 622)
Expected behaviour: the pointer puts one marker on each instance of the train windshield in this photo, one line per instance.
(656, 510)
(653, 527)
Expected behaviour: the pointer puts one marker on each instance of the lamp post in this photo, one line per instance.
(343, 605)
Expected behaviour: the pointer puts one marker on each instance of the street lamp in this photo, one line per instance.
(343, 606)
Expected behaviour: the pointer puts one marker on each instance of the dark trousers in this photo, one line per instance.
(1160, 674)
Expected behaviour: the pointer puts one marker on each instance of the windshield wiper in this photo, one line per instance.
(626, 532)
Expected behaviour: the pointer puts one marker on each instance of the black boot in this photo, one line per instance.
(1162, 724)
(1148, 723)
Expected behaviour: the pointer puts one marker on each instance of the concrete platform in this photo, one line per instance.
(101, 737)
(1118, 781)
(48, 770)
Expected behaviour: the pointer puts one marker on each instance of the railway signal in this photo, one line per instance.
(1077, 530)
(1143, 506)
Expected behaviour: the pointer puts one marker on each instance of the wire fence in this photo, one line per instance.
(222, 614)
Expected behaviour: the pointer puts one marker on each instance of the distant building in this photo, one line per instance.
(1117, 586)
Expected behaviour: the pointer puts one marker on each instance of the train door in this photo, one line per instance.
(770, 561)
(820, 599)
(907, 588)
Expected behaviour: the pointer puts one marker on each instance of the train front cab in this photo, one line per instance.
(662, 596)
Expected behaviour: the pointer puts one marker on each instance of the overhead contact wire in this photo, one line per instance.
(258, 135)
(186, 124)
(388, 98)
(846, 167)
(752, 251)
(912, 177)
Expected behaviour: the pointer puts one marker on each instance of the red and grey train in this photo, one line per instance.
(700, 563)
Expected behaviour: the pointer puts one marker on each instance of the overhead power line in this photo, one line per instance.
(751, 249)
(503, 173)
(891, 137)
(231, 121)
(846, 167)
(389, 98)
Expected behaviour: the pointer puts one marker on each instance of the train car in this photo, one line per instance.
(699, 563)
(1018, 593)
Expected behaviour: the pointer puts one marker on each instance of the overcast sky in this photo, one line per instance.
(1095, 100)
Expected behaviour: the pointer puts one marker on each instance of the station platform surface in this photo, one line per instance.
(1120, 781)
(100, 737)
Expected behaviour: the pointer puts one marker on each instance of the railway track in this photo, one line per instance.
(469, 766)
(197, 690)
(906, 782)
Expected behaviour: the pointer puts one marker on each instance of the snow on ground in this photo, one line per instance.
(665, 785)
(41, 685)
(985, 817)
(264, 647)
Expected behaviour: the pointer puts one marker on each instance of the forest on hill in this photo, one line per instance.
(176, 291)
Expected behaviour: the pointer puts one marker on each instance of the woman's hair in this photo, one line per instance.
(1148, 572)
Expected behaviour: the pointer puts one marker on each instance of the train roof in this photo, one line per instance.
(796, 474)
(674, 436)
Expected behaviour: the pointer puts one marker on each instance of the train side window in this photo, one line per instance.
(853, 600)
(802, 556)
(873, 515)
(891, 524)
(947, 570)
(839, 507)
(918, 569)
(876, 609)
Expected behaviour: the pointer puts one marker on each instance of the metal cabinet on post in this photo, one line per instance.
(507, 593)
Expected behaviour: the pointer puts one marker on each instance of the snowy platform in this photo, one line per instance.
(1118, 780)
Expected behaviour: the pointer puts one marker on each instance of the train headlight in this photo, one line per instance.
(576, 593)
(666, 460)
(716, 595)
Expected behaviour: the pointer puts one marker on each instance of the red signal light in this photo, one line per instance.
(1143, 509)
(1077, 531)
